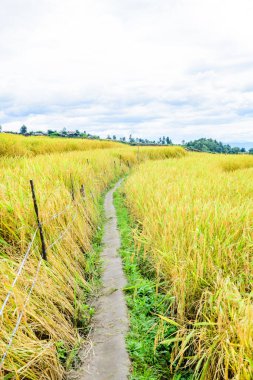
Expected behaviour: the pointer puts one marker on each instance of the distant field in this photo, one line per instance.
(17, 145)
(195, 224)
(48, 335)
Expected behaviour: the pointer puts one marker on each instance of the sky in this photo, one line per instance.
(179, 68)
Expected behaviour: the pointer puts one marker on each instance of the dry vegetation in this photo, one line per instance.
(16, 145)
(195, 224)
(57, 306)
(58, 300)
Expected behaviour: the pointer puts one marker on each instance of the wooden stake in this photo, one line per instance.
(43, 245)
(82, 191)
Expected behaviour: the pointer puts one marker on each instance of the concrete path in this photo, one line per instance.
(107, 358)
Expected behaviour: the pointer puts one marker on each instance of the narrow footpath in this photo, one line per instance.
(107, 359)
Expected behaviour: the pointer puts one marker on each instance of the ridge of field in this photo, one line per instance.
(17, 145)
(58, 309)
(195, 226)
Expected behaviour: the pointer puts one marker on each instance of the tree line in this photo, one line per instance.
(164, 140)
(202, 144)
(213, 146)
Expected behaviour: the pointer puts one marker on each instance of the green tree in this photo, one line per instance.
(131, 139)
(235, 150)
(210, 145)
(23, 130)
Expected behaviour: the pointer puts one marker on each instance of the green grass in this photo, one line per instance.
(145, 300)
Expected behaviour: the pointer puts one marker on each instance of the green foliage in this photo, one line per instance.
(145, 301)
(62, 351)
(210, 145)
(23, 130)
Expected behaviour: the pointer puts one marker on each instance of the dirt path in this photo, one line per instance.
(108, 359)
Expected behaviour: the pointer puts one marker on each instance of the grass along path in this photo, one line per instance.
(145, 300)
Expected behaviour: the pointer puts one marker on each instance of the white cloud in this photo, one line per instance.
(182, 68)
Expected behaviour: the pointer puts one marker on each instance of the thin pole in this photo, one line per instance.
(82, 191)
(72, 188)
(43, 245)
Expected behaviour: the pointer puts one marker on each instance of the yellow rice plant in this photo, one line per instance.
(57, 307)
(17, 145)
(52, 308)
(134, 155)
(230, 164)
(195, 221)
(159, 153)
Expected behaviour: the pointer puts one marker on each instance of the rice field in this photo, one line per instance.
(17, 145)
(194, 223)
(49, 299)
(58, 304)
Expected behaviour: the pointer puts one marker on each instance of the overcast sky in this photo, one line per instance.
(180, 68)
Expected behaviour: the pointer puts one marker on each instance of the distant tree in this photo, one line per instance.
(23, 130)
(50, 132)
(109, 137)
(123, 139)
(1, 128)
(168, 141)
(210, 145)
(131, 139)
(77, 132)
(235, 150)
(114, 137)
(55, 134)
(64, 131)
(251, 151)
(243, 150)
